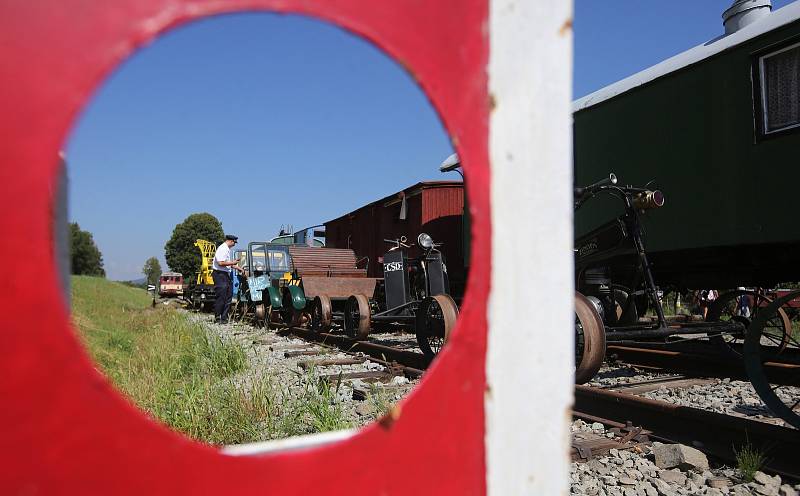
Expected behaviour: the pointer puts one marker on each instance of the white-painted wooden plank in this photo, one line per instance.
(530, 360)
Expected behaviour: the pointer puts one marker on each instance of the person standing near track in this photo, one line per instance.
(223, 283)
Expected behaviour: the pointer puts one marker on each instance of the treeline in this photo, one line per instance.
(86, 258)
(181, 254)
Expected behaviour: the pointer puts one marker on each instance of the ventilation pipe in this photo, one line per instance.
(744, 12)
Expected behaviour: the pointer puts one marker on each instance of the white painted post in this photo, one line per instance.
(530, 360)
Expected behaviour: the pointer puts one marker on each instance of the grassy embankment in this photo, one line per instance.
(184, 376)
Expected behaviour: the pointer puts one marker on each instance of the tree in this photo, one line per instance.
(151, 270)
(86, 258)
(181, 254)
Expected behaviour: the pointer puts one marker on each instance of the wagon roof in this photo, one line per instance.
(694, 55)
(409, 191)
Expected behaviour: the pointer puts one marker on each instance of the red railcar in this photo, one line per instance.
(434, 207)
(170, 284)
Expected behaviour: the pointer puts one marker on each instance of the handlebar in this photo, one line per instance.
(611, 179)
(638, 198)
(398, 242)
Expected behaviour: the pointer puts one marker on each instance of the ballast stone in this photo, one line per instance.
(672, 477)
(787, 490)
(680, 456)
(767, 480)
(718, 482)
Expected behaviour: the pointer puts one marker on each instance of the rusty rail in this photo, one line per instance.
(412, 364)
(714, 433)
(701, 362)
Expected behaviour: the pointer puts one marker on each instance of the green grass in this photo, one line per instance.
(379, 399)
(749, 460)
(183, 376)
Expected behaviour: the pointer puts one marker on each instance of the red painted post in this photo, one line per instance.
(65, 429)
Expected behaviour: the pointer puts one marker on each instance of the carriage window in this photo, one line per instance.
(277, 260)
(259, 261)
(780, 89)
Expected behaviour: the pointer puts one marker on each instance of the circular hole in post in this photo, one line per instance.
(289, 134)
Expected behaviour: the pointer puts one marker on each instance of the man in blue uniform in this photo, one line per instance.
(223, 284)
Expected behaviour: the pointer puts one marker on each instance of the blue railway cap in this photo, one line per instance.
(231, 237)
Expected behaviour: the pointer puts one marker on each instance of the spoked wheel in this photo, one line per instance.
(357, 317)
(321, 314)
(436, 318)
(777, 329)
(590, 340)
(782, 399)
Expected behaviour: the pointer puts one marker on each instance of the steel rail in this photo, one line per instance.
(702, 364)
(701, 345)
(413, 364)
(716, 434)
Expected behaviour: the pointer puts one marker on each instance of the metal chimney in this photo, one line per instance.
(744, 12)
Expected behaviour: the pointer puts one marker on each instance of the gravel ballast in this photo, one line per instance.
(620, 472)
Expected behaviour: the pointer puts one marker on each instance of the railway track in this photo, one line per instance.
(618, 407)
(413, 364)
(716, 434)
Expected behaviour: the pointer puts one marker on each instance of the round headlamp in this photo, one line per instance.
(425, 241)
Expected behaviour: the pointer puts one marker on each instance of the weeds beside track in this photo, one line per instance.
(184, 376)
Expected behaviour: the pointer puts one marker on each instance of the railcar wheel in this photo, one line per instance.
(261, 311)
(782, 400)
(196, 301)
(321, 314)
(590, 340)
(301, 318)
(357, 317)
(263, 314)
(286, 311)
(777, 328)
(435, 319)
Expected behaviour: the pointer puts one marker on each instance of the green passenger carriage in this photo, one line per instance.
(718, 130)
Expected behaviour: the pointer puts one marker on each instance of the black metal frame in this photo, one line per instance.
(406, 311)
(632, 236)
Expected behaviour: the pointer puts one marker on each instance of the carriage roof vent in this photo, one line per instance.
(744, 12)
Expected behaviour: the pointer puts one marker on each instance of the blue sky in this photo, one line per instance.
(264, 120)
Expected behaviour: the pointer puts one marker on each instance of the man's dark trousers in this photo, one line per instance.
(223, 292)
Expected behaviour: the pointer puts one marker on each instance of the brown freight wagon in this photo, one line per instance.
(434, 207)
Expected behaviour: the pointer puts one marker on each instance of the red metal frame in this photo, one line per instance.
(65, 429)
